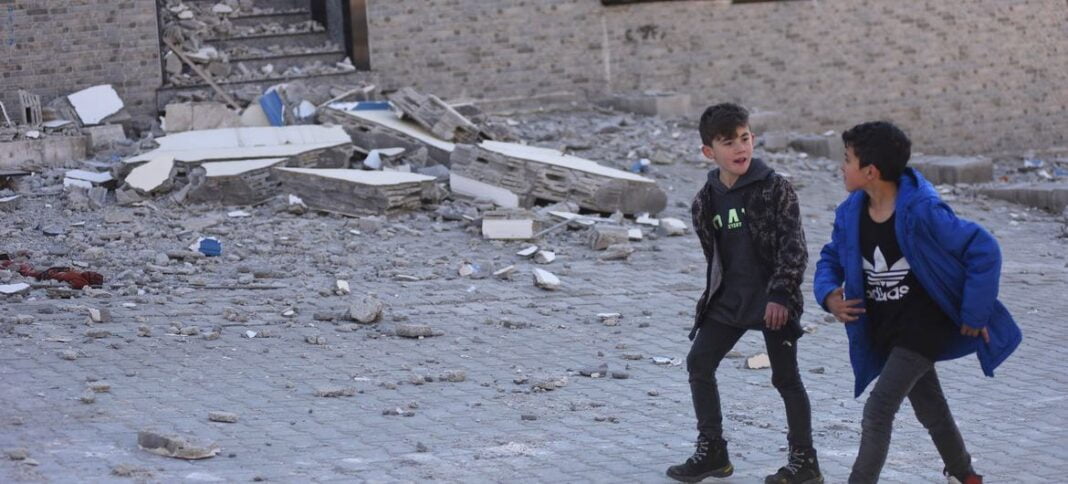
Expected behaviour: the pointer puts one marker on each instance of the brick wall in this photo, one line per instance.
(975, 76)
(56, 47)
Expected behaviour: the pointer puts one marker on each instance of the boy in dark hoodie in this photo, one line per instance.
(749, 224)
(921, 286)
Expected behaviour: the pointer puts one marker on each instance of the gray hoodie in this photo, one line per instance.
(742, 296)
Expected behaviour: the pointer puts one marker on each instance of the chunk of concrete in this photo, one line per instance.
(508, 225)
(758, 362)
(504, 229)
(104, 136)
(96, 103)
(356, 192)
(368, 310)
(546, 280)
(617, 252)
(603, 236)
(951, 170)
(174, 446)
(151, 177)
(671, 227)
(1052, 196)
(544, 257)
(181, 117)
(46, 152)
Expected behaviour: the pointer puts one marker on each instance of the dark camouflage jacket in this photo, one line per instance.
(774, 219)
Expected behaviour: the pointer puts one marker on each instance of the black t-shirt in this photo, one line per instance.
(900, 311)
(742, 296)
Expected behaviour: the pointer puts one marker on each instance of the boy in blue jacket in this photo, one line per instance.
(921, 286)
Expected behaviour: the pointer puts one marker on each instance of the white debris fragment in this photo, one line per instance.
(758, 362)
(544, 257)
(96, 103)
(546, 280)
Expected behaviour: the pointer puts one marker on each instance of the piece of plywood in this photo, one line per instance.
(95, 103)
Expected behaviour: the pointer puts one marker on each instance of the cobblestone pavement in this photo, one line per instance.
(507, 336)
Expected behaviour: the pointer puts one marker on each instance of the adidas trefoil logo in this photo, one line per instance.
(886, 278)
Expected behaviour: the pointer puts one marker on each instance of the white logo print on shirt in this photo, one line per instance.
(885, 278)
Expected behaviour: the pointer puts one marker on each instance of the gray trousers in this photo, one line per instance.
(910, 374)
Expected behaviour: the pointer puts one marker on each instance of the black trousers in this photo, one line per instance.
(712, 343)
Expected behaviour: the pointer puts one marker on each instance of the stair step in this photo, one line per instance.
(285, 61)
(166, 94)
(283, 18)
(263, 4)
(303, 39)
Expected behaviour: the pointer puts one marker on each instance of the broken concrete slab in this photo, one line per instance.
(305, 145)
(528, 251)
(86, 179)
(532, 173)
(1052, 196)
(508, 225)
(154, 176)
(174, 446)
(435, 115)
(234, 182)
(951, 170)
(181, 117)
(104, 136)
(96, 103)
(546, 280)
(370, 129)
(649, 103)
(603, 236)
(475, 189)
(46, 152)
(356, 192)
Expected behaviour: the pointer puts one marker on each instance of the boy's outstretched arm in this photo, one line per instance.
(980, 255)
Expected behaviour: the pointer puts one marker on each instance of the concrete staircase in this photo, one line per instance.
(272, 33)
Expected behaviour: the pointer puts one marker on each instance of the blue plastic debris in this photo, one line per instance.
(209, 246)
(273, 107)
(371, 106)
(640, 166)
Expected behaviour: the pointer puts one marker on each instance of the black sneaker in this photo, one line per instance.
(709, 460)
(802, 468)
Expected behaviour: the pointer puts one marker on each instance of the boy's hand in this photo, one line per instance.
(775, 316)
(844, 310)
(973, 332)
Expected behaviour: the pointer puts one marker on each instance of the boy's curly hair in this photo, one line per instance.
(882, 144)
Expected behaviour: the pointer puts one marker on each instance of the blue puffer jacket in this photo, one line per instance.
(956, 261)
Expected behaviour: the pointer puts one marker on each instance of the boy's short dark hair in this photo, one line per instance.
(722, 121)
(882, 144)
